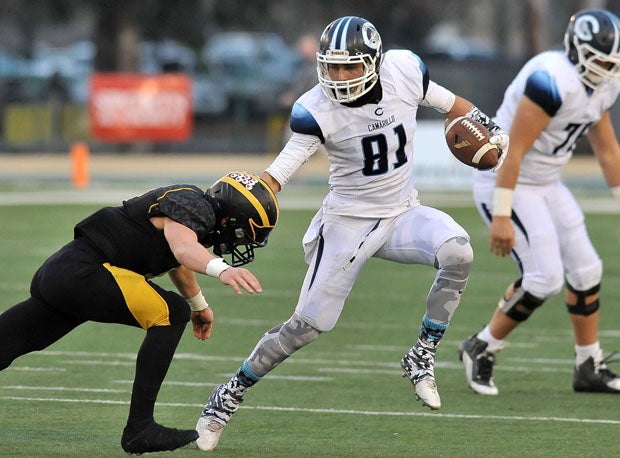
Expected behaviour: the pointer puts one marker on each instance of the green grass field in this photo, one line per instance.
(343, 395)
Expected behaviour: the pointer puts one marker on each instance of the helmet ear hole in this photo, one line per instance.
(239, 234)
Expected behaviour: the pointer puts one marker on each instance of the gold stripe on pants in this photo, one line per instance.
(145, 304)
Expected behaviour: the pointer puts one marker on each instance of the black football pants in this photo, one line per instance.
(74, 286)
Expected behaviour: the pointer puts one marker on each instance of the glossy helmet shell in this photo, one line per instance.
(349, 40)
(250, 211)
(592, 43)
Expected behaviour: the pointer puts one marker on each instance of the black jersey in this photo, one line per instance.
(126, 238)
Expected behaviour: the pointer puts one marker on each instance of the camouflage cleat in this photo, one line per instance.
(224, 401)
(418, 365)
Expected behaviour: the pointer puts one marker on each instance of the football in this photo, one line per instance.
(468, 142)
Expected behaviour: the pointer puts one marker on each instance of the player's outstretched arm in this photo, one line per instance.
(238, 278)
(193, 256)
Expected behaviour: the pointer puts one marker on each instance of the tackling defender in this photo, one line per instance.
(363, 111)
(103, 275)
(556, 98)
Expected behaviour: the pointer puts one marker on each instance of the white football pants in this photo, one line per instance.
(337, 247)
(550, 235)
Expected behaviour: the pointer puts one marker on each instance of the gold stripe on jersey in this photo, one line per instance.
(165, 194)
(253, 200)
(145, 304)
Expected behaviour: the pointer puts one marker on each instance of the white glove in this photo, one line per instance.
(502, 142)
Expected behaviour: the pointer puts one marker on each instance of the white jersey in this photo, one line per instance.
(550, 80)
(370, 147)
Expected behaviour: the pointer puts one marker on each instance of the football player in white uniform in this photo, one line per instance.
(366, 120)
(556, 98)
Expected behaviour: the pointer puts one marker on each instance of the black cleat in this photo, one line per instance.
(155, 438)
(592, 376)
(478, 364)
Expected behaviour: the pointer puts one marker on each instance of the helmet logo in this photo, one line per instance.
(586, 26)
(248, 181)
(337, 52)
(370, 36)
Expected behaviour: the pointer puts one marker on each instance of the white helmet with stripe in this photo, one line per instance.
(349, 40)
(592, 43)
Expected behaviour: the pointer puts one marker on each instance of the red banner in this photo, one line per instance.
(133, 107)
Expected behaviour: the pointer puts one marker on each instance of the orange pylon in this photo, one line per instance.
(79, 161)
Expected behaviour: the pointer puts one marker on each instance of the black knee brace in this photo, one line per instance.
(521, 305)
(581, 308)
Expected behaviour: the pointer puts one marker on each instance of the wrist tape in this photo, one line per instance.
(502, 202)
(198, 302)
(216, 266)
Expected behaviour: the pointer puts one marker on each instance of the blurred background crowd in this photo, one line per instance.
(246, 61)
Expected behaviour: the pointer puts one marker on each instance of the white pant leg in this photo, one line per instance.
(550, 237)
(417, 235)
(336, 248)
(582, 265)
(427, 236)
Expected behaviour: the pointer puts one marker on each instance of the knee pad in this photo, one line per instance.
(453, 262)
(455, 255)
(581, 308)
(521, 304)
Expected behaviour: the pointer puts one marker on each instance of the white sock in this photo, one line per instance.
(583, 352)
(494, 345)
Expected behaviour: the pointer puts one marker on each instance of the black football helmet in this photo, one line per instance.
(349, 40)
(250, 211)
(592, 43)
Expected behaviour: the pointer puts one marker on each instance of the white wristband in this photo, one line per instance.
(198, 302)
(616, 192)
(502, 202)
(216, 266)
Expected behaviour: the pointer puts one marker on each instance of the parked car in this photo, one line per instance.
(252, 66)
(12, 66)
(445, 40)
(166, 56)
(208, 97)
(72, 66)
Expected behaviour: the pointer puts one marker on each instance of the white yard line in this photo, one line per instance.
(338, 411)
(325, 366)
(294, 196)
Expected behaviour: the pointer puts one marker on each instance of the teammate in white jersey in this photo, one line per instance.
(554, 100)
(366, 120)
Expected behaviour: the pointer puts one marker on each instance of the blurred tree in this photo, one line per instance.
(537, 12)
(405, 23)
(116, 35)
(182, 20)
(28, 16)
